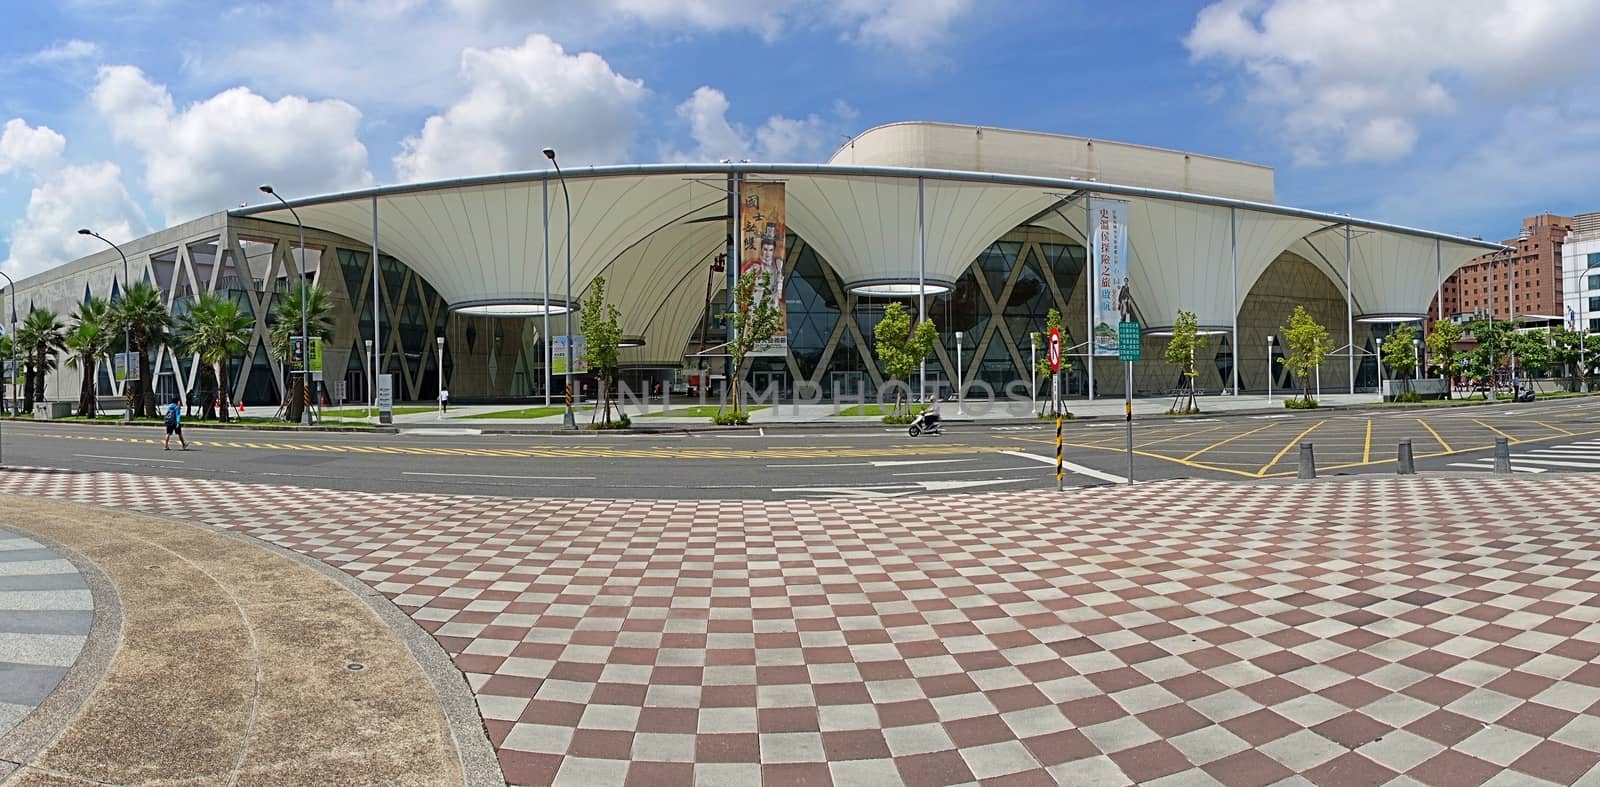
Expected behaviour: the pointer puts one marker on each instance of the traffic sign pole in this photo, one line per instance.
(1129, 349)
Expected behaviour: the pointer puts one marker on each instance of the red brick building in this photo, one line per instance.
(1525, 283)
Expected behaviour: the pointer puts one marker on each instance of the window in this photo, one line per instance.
(1594, 281)
(1594, 324)
(1594, 303)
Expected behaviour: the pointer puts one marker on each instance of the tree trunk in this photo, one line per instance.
(296, 403)
(86, 398)
(27, 386)
(147, 396)
(39, 381)
(222, 393)
(208, 402)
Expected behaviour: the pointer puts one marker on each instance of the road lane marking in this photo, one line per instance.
(505, 477)
(1072, 466)
(131, 458)
(1509, 438)
(1366, 447)
(1289, 445)
(1442, 443)
(1222, 443)
(1553, 428)
(975, 470)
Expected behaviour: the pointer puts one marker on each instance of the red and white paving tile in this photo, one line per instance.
(1371, 631)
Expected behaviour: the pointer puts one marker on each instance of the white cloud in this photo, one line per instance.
(75, 49)
(28, 148)
(88, 195)
(520, 100)
(212, 154)
(1359, 77)
(779, 139)
(905, 24)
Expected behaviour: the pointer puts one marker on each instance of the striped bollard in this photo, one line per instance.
(1060, 475)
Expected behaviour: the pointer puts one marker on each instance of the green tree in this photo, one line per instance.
(1494, 339)
(901, 348)
(1308, 345)
(215, 330)
(286, 317)
(41, 336)
(1533, 352)
(1180, 353)
(1442, 347)
(1052, 320)
(601, 325)
(1398, 353)
(90, 336)
(1567, 351)
(754, 321)
(1477, 366)
(149, 326)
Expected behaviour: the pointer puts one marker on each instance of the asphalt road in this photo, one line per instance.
(1550, 436)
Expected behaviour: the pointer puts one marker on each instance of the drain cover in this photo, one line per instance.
(355, 666)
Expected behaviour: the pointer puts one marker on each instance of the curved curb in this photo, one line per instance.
(47, 721)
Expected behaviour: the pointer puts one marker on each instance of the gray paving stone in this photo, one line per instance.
(72, 581)
(46, 621)
(28, 684)
(46, 599)
(52, 650)
(25, 567)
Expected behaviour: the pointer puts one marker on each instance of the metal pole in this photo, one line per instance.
(372, 391)
(568, 419)
(544, 188)
(1349, 314)
(12, 288)
(1128, 412)
(440, 345)
(1511, 310)
(1233, 241)
(377, 335)
(1088, 282)
(305, 334)
(1269, 370)
(1033, 372)
(960, 378)
(922, 294)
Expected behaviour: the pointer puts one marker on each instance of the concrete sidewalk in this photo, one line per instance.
(217, 659)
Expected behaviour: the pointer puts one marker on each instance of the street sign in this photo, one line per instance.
(1054, 351)
(1129, 343)
(316, 358)
(297, 352)
(385, 398)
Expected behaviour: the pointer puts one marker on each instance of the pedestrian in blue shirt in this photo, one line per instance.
(174, 425)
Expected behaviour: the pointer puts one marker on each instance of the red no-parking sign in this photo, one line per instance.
(1054, 352)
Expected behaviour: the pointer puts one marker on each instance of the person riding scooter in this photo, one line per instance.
(927, 421)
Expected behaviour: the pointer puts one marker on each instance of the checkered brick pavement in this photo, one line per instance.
(1436, 631)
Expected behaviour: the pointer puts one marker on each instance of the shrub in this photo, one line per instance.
(900, 419)
(1409, 397)
(1049, 416)
(1184, 411)
(731, 419)
(1300, 404)
(620, 422)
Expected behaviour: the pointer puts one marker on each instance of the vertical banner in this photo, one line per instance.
(1108, 258)
(762, 250)
(558, 354)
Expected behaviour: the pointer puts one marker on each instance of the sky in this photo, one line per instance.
(132, 115)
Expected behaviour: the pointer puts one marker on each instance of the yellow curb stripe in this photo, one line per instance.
(1442, 443)
(1289, 445)
(1221, 443)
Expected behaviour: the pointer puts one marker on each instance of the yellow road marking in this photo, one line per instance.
(1508, 438)
(1289, 445)
(1229, 440)
(1554, 428)
(1442, 443)
(1366, 446)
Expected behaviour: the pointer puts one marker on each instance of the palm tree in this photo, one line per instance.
(286, 316)
(5, 359)
(216, 330)
(89, 338)
(41, 337)
(149, 326)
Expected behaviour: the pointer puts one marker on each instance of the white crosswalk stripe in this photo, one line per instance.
(1570, 456)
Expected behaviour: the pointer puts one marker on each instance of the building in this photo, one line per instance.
(983, 229)
(1526, 283)
(1580, 272)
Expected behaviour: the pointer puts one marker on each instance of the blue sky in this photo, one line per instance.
(1462, 116)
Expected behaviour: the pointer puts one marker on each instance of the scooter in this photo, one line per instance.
(926, 422)
(1522, 394)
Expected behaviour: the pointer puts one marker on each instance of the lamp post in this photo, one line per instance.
(1269, 369)
(305, 333)
(11, 287)
(568, 420)
(127, 345)
(959, 376)
(372, 392)
(1416, 359)
(1379, 342)
(439, 343)
(1033, 372)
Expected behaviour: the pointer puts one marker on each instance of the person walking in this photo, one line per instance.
(444, 399)
(174, 426)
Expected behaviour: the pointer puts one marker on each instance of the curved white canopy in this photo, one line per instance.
(481, 240)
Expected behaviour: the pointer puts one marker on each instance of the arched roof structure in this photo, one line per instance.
(481, 241)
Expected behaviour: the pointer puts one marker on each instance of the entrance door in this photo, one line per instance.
(762, 383)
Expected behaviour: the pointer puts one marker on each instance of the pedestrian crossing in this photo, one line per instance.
(1568, 457)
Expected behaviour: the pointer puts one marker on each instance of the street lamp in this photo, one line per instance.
(1379, 342)
(439, 343)
(1033, 371)
(372, 393)
(959, 377)
(127, 346)
(1269, 369)
(568, 420)
(12, 288)
(1416, 359)
(305, 333)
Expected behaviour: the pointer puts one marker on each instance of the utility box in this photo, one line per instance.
(50, 411)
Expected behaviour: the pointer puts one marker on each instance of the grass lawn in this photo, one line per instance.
(361, 412)
(527, 412)
(239, 423)
(878, 410)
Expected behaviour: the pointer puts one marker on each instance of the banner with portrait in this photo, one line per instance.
(762, 250)
(1108, 258)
